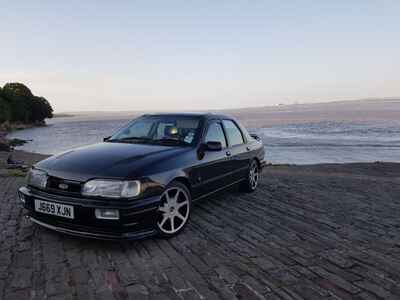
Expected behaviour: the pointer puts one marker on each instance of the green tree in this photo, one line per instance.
(17, 89)
(40, 109)
(20, 105)
(17, 96)
(5, 112)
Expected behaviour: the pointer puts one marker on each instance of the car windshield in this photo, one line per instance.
(168, 130)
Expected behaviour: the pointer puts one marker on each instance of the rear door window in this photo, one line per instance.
(233, 133)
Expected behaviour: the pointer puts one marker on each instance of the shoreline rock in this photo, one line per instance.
(19, 158)
(8, 145)
(4, 146)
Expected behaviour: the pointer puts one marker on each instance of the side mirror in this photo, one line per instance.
(213, 146)
(106, 138)
(255, 136)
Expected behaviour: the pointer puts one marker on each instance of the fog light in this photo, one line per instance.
(21, 197)
(105, 213)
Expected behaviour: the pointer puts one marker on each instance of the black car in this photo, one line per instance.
(142, 180)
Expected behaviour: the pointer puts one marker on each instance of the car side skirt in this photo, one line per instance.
(218, 190)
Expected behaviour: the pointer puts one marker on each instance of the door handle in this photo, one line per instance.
(228, 153)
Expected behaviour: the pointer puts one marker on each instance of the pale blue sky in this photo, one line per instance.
(135, 55)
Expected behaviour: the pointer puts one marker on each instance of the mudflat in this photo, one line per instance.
(328, 231)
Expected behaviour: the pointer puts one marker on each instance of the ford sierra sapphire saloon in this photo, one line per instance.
(142, 180)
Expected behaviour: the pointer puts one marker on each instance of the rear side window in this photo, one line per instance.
(215, 133)
(233, 133)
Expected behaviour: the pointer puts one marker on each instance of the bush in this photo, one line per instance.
(18, 104)
(5, 112)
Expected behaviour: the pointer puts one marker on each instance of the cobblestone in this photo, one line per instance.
(322, 232)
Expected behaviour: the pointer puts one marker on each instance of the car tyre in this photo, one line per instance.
(250, 183)
(174, 210)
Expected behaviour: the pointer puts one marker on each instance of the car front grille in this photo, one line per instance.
(62, 186)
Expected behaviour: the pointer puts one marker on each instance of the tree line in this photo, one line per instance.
(19, 105)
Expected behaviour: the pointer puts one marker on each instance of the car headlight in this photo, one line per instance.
(111, 188)
(37, 178)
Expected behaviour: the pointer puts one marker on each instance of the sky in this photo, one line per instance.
(190, 55)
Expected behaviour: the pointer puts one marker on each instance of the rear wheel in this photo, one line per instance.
(174, 210)
(253, 175)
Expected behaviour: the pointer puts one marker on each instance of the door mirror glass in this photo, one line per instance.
(213, 146)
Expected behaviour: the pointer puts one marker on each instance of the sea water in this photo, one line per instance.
(304, 143)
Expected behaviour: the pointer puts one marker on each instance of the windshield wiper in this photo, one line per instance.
(170, 140)
(144, 139)
(132, 139)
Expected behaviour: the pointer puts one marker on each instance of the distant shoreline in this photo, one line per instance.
(267, 116)
(63, 115)
(276, 107)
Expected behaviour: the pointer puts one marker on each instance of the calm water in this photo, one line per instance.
(308, 143)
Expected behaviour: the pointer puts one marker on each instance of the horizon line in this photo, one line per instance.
(395, 98)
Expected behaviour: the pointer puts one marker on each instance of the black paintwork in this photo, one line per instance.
(204, 169)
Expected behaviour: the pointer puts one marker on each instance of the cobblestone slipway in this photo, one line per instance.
(324, 232)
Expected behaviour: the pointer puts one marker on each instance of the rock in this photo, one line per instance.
(17, 142)
(16, 164)
(4, 146)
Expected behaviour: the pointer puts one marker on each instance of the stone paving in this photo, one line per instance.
(307, 233)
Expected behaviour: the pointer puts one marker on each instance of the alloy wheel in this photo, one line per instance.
(174, 210)
(253, 176)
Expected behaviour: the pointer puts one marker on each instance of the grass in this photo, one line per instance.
(16, 173)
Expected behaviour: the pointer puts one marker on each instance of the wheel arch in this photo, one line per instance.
(184, 180)
(257, 161)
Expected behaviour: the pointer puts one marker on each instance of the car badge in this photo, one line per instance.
(63, 186)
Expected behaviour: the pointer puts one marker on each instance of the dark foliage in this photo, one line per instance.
(18, 104)
(5, 110)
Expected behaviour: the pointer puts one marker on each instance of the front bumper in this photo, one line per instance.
(137, 218)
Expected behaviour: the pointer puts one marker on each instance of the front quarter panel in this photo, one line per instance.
(158, 175)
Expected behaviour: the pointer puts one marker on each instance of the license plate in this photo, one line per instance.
(56, 209)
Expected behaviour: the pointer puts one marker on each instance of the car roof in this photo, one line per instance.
(206, 115)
